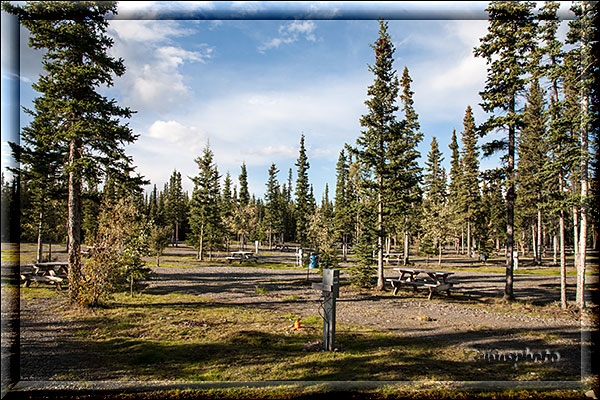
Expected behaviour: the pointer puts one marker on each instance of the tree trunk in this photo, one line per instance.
(469, 249)
(510, 209)
(201, 243)
(406, 248)
(462, 239)
(176, 233)
(563, 261)
(533, 244)
(74, 219)
(270, 239)
(575, 237)
(584, 190)
(554, 248)
(380, 278)
(40, 243)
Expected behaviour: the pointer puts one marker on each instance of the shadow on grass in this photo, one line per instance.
(219, 350)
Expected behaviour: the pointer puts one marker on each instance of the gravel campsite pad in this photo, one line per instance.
(48, 354)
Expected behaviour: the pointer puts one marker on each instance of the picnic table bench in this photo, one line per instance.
(53, 273)
(435, 281)
(241, 256)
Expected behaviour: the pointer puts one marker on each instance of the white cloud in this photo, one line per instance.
(175, 132)
(147, 30)
(274, 151)
(153, 80)
(290, 33)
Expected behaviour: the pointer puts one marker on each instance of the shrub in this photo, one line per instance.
(118, 247)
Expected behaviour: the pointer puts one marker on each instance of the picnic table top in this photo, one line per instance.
(51, 264)
(426, 271)
(242, 252)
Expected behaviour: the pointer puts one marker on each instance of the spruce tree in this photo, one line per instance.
(273, 203)
(532, 156)
(551, 66)
(244, 193)
(205, 217)
(302, 204)
(381, 129)
(454, 189)
(434, 202)
(405, 189)
(583, 32)
(507, 48)
(470, 191)
(175, 211)
(86, 125)
(342, 205)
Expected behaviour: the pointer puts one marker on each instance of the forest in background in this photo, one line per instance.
(75, 181)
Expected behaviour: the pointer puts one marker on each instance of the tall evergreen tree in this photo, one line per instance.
(404, 156)
(434, 203)
(342, 206)
(205, 218)
(454, 189)
(87, 125)
(41, 172)
(551, 66)
(507, 48)
(273, 205)
(175, 210)
(381, 129)
(302, 204)
(244, 193)
(583, 32)
(470, 191)
(532, 156)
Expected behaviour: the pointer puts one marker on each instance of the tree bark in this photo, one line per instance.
(74, 218)
(40, 243)
(469, 250)
(510, 209)
(380, 278)
(584, 187)
(563, 263)
(533, 244)
(406, 248)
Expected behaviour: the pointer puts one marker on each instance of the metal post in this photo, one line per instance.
(330, 289)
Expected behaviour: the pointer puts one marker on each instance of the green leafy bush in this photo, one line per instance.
(118, 247)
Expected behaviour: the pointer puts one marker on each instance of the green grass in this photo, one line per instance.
(184, 337)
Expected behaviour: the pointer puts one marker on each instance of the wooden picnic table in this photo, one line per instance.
(435, 281)
(241, 256)
(392, 258)
(45, 268)
(45, 272)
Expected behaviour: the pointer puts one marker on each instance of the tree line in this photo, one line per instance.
(539, 96)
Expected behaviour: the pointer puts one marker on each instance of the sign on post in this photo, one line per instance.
(331, 290)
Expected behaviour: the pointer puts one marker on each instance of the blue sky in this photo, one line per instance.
(251, 77)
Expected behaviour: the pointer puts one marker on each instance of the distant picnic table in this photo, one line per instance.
(53, 273)
(241, 256)
(435, 281)
(392, 258)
